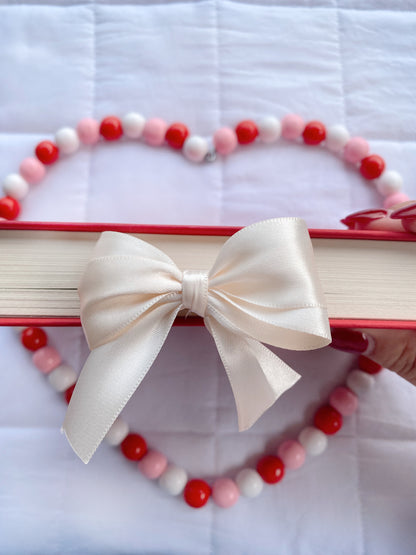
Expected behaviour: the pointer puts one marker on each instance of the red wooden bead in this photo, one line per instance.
(328, 419)
(246, 132)
(111, 128)
(9, 208)
(372, 166)
(134, 447)
(271, 469)
(314, 133)
(34, 338)
(368, 365)
(47, 152)
(68, 393)
(176, 135)
(196, 493)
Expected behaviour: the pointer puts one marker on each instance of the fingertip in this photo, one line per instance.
(361, 219)
(405, 213)
(385, 224)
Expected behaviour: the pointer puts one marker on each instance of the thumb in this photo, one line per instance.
(394, 349)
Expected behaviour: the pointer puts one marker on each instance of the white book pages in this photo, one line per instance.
(361, 279)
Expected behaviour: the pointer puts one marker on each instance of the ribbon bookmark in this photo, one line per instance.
(262, 288)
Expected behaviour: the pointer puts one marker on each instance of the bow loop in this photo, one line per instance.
(263, 287)
(268, 263)
(264, 275)
(119, 285)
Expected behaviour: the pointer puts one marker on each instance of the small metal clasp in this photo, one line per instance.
(211, 156)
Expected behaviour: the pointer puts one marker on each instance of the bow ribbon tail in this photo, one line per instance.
(111, 375)
(257, 376)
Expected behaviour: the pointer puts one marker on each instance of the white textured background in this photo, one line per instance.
(207, 63)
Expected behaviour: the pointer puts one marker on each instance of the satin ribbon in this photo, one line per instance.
(263, 287)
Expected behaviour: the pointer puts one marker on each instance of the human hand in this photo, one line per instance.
(392, 349)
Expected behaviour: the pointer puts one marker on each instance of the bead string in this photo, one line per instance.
(249, 482)
(156, 132)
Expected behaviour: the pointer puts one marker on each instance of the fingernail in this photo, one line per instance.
(359, 220)
(369, 366)
(352, 341)
(408, 212)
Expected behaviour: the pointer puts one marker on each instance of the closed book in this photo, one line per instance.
(368, 277)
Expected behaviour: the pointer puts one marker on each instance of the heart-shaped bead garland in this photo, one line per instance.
(270, 469)
(343, 400)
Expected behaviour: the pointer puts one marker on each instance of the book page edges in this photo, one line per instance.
(357, 274)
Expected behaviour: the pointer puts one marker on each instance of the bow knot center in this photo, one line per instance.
(195, 291)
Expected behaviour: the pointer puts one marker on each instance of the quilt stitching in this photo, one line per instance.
(395, 7)
(217, 7)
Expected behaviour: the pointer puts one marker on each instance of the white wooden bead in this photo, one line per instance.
(314, 441)
(337, 136)
(133, 125)
(173, 480)
(67, 140)
(15, 186)
(389, 182)
(270, 129)
(62, 377)
(195, 148)
(118, 432)
(359, 382)
(249, 482)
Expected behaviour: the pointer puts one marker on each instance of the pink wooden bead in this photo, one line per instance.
(343, 400)
(395, 198)
(154, 131)
(356, 149)
(225, 492)
(292, 126)
(88, 130)
(292, 454)
(225, 140)
(153, 464)
(32, 170)
(46, 359)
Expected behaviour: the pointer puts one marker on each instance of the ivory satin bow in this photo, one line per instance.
(263, 287)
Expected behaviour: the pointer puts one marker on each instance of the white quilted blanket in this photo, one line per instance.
(207, 63)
